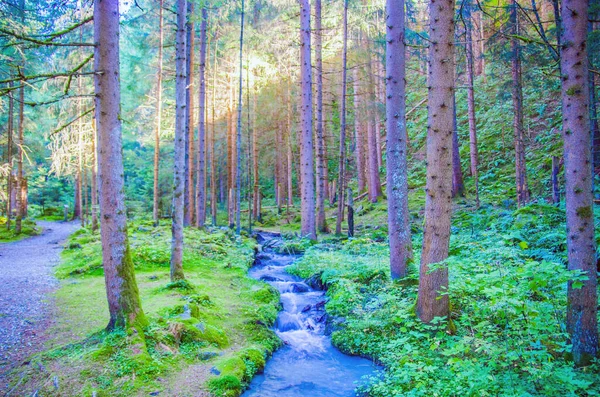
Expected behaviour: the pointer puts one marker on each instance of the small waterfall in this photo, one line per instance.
(308, 365)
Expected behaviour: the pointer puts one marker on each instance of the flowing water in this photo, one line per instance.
(307, 365)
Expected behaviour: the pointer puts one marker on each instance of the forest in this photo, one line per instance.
(286, 198)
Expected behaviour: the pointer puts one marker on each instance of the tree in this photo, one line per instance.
(342, 156)
(238, 155)
(517, 97)
(156, 191)
(458, 186)
(121, 287)
(179, 145)
(9, 158)
(396, 143)
(201, 166)
(582, 321)
(468, 22)
(306, 150)
(321, 182)
(432, 299)
(188, 203)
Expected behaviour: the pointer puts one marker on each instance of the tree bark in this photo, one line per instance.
(359, 150)
(397, 145)
(255, 174)
(188, 213)
(156, 195)
(238, 184)
(308, 225)
(213, 171)
(517, 97)
(471, 99)
(342, 156)
(94, 170)
(201, 170)
(582, 321)
(321, 182)
(432, 299)
(458, 186)
(20, 148)
(121, 287)
(9, 160)
(179, 145)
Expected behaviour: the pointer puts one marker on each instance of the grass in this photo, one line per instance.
(219, 319)
(28, 229)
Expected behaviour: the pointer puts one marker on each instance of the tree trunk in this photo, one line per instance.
(308, 226)
(374, 184)
(397, 145)
(188, 213)
(121, 287)
(582, 321)
(555, 186)
(350, 213)
(20, 148)
(321, 185)
(9, 144)
(179, 145)
(458, 186)
(213, 171)
(471, 99)
(432, 298)
(255, 174)
(359, 150)
(238, 184)
(517, 96)
(594, 16)
(94, 204)
(156, 195)
(342, 157)
(200, 171)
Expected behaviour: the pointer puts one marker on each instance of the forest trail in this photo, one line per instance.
(26, 279)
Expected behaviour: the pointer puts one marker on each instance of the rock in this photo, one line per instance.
(306, 308)
(153, 277)
(270, 278)
(215, 371)
(74, 246)
(155, 393)
(320, 305)
(299, 287)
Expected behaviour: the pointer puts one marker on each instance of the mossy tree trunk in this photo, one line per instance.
(432, 300)
(179, 145)
(121, 287)
(9, 156)
(582, 321)
(396, 143)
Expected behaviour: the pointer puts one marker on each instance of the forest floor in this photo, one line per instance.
(26, 279)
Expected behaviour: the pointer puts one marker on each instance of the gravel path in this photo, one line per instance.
(26, 277)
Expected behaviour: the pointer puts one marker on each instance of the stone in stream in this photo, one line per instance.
(299, 287)
(270, 278)
(306, 308)
(206, 355)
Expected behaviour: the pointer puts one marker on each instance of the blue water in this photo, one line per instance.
(308, 365)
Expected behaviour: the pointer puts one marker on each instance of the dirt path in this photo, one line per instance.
(26, 278)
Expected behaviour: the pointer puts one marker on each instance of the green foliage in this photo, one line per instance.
(28, 228)
(506, 335)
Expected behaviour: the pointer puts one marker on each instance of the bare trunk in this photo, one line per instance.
(397, 145)
(517, 96)
(582, 321)
(255, 174)
(200, 171)
(94, 171)
(213, 171)
(374, 184)
(432, 298)
(238, 184)
(179, 145)
(458, 186)
(121, 287)
(9, 159)
(307, 189)
(188, 205)
(359, 149)
(321, 185)
(555, 187)
(156, 195)
(20, 148)
(342, 157)
(471, 100)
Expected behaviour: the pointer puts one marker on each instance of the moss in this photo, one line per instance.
(585, 212)
(228, 386)
(192, 330)
(233, 366)
(255, 359)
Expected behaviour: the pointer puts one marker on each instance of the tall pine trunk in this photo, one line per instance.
(188, 213)
(359, 149)
(307, 187)
(94, 170)
(201, 166)
(238, 154)
(517, 97)
(9, 159)
(342, 156)
(156, 195)
(20, 148)
(432, 299)
(374, 184)
(121, 287)
(582, 321)
(396, 143)
(458, 185)
(321, 185)
(213, 165)
(179, 145)
(471, 99)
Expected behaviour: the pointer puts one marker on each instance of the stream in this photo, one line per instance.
(307, 364)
